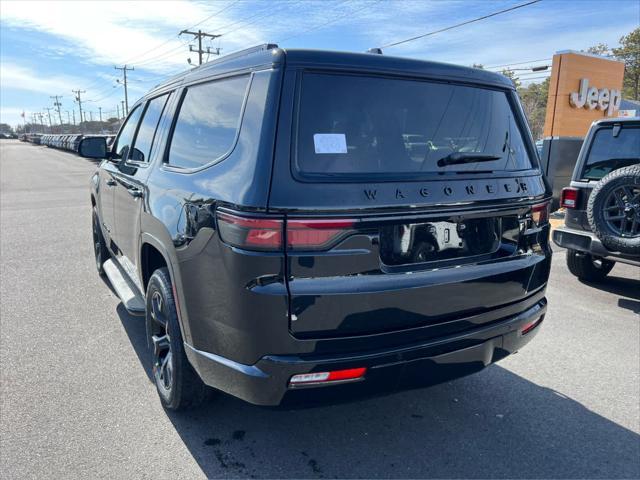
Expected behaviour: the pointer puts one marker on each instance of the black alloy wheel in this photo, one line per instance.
(178, 384)
(613, 210)
(622, 211)
(160, 343)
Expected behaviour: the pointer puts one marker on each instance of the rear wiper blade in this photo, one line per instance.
(458, 158)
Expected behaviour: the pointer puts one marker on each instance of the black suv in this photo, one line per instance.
(310, 225)
(602, 219)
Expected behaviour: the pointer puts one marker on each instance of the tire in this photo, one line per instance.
(587, 267)
(100, 250)
(613, 210)
(178, 385)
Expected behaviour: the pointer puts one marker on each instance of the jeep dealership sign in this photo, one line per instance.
(583, 88)
(590, 97)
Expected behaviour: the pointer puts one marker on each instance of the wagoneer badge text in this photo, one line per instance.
(470, 190)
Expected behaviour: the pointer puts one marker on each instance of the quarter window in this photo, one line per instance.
(141, 151)
(207, 123)
(124, 140)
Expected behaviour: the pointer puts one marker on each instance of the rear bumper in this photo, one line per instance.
(579, 240)
(400, 368)
(587, 242)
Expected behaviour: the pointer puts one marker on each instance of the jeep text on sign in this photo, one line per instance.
(583, 88)
(590, 97)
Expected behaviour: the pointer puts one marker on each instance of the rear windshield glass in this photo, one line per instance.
(609, 152)
(388, 128)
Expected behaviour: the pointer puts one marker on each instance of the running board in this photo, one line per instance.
(132, 301)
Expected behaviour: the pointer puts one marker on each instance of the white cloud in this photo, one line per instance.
(115, 32)
(20, 78)
(144, 33)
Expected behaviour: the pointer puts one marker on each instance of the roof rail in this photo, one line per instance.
(247, 51)
(240, 53)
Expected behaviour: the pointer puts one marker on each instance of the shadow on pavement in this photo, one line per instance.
(632, 305)
(492, 424)
(623, 287)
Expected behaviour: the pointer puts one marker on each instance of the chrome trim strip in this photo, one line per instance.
(240, 367)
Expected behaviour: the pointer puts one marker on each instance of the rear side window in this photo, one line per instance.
(125, 138)
(141, 151)
(208, 122)
(390, 128)
(609, 152)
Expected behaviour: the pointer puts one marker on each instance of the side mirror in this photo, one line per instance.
(93, 147)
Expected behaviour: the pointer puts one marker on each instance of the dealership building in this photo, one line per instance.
(583, 88)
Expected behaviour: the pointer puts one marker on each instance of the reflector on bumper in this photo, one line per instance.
(327, 377)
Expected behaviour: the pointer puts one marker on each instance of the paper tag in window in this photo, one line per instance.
(330, 142)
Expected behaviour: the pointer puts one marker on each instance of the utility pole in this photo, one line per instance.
(123, 112)
(126, 98)
(199, 35)
(79, 100)
(48, 109)
(100, 110)
(74, 115)
(118, 111)
(91, 116)
(68, 117)
(57, 104)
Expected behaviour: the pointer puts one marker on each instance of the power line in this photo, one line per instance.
(172, 51)
(341, 17)
(260, 15)
(536, 78)
(484, 17)
(547, 72)
(129, 60)
(105, 91)
(160, 56)
(518, 63)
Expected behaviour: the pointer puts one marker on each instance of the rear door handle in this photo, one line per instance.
(111, 182)
(134, 192)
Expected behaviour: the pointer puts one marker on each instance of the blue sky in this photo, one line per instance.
(49, 48)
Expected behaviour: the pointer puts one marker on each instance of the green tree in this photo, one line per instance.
(512, 75)
(534, 103)
(5, 128)
(629, 53)
(599, 49)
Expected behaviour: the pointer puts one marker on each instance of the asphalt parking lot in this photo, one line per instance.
(77, 400)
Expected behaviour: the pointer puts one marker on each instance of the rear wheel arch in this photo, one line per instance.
(151, 259)
(153, 256)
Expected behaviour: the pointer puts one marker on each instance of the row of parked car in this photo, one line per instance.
(31, 138)
(69, 141)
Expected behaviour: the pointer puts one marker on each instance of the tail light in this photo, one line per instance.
(312, 234)
(267, 233)
(263, 234)
(569, 197)
(540, 214)
(350, 374)
(527, 327)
